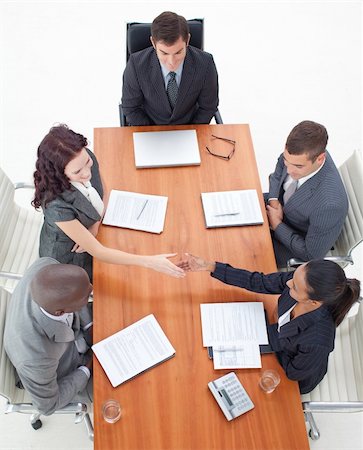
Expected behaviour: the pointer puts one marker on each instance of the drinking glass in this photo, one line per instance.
(269, 380)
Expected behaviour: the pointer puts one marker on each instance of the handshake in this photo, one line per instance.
(191, 263)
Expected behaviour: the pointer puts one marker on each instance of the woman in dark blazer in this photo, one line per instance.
(73, 206)
(314, 300)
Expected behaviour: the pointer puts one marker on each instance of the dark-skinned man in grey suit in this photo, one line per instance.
(145, 99)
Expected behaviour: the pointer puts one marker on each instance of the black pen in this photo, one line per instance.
(142, 209)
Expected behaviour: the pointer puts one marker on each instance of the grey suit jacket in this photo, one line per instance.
(69, 205)
(42, 350)
(314, 215)
(144, 98)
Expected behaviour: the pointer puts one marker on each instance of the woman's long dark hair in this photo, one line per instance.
(59, 146)
(328, 284)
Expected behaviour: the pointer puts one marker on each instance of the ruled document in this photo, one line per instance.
(143, 212)
(133, 350)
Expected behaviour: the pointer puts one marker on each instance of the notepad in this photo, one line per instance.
(231, 208)
(133, 350)
(136, 211)
(166, 148)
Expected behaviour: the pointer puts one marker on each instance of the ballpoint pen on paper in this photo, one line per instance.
(227, 349)
(142, 209)
(227, 214)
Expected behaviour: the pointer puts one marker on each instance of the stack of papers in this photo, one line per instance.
(136, 211)
(234, 331)
(231, 208)
(133, 350)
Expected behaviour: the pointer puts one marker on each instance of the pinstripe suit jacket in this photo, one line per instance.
(314, 215)
(144, 98)
(303, 345)
(43, 350)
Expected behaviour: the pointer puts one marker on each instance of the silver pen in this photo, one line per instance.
(227, 349)
(142, 209)
(227, 214)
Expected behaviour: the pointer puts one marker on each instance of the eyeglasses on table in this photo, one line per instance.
(229, 156)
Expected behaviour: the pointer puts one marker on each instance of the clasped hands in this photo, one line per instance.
(274, 213)
(191, 263)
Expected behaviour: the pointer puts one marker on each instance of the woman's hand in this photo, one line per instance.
(161, 263)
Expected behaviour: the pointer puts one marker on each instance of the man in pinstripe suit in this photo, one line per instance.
(306, 203)
(170, 65)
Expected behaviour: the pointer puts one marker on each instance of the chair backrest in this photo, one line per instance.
(7, 371)
(344, 379)
(138, 35)
(19, 233)
(7, 204)
(351, 172)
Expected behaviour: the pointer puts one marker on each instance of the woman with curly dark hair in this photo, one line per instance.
(73, 206)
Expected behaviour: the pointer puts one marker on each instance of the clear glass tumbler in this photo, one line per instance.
(111, 411)
(269, 380)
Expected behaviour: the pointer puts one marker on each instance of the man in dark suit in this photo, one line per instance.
(171, 82)
(306, 203)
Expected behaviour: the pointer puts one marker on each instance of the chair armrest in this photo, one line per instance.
(218, 117)
(293, 262)
(11, 275)
(122, 116)
(23, 185)
(340, 259)
(28, 408)
(332, 406)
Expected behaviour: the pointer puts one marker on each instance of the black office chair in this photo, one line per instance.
(138, 37)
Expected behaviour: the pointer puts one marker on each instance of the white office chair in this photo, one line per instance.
(341, 390)
(351, 235)
(19, 234)
(18, 400)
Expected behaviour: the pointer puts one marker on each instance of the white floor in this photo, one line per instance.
(306, 94)
(338, 432)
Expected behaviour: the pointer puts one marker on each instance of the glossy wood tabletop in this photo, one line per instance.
(170, 406)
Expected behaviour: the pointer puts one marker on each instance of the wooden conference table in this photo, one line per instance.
(170, 406)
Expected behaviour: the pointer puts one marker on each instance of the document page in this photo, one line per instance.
(166, 148)
(239, 355)
(136, 211)
(232, 322)
(133, 350)
(231, 208)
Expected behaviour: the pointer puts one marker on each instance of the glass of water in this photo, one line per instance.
(111, 411)
(269, 380)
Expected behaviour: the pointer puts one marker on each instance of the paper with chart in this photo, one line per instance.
(166, 148)
(231, 208)
(136, 211)
(234, 330)
(133, 350)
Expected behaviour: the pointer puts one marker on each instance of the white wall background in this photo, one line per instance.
(279, 62)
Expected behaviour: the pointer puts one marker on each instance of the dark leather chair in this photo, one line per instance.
(138, 37)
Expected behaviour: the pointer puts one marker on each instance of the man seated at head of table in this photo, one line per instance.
(306, 203)
(313, 301)
(48, 334)
(170, 82)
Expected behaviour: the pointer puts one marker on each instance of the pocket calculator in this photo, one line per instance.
(231, 396)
